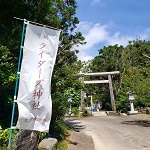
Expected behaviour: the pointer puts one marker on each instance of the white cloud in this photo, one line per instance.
(145, 34)
(97, 2)
(100, 35)
(119, 39)
(84, 57)
(94, 34)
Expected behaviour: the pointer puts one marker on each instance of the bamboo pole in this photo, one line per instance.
(16, 86)
(39, 24)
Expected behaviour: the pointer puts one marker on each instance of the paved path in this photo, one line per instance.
(115, 132)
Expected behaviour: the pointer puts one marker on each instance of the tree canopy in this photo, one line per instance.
(57, 14)
(134, 69)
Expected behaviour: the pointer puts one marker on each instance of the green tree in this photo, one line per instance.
(109, 59)
(7, 77)
(55, 13)
(135, 77)
(134, 70)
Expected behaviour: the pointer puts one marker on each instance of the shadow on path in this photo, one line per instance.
(75, 123)
(78, 139)
(143, 123)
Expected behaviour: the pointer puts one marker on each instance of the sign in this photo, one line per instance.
(34, 98)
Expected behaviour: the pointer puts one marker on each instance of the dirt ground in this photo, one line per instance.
(108, 132)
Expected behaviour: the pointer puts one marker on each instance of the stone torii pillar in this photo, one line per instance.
(111, 93)
(109, 81)
(82, 93)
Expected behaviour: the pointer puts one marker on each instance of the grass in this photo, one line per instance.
(63, 145)
(3, 148)
(64, 132)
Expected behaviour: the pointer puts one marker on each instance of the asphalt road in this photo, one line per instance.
(116, 132)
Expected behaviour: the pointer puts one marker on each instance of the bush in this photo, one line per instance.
(75, 111)
(4, 136)
(124, 110)
(85, 113)
(62, 146)
(59, 128)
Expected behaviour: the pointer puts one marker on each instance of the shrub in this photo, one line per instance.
(75, 111)
(62, 146)
(85, 113)
(4, 136)
(59, 128)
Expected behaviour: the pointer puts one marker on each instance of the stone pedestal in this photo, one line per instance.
(132, 112)
(132, 109)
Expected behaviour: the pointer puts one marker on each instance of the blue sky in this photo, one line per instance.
(110, 22)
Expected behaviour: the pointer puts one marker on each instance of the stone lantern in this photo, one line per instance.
(131, 99)
(70, 100)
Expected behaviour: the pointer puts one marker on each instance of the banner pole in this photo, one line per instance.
(16, 86)
(39, 24)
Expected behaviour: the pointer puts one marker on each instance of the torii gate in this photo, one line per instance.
(101, 81)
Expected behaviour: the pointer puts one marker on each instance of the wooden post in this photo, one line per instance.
(82, 93)
(111, 93)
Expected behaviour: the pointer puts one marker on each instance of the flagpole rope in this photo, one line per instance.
(16, 86)
(39, 24)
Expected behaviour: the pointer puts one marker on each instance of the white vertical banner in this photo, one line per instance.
(34, 97)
